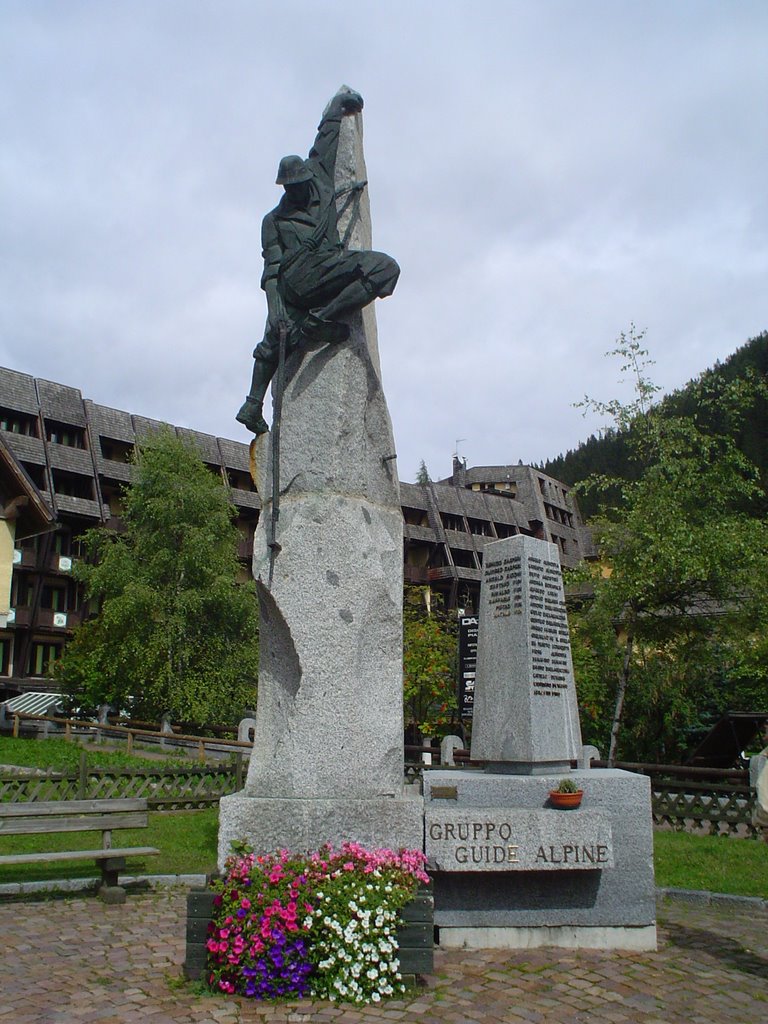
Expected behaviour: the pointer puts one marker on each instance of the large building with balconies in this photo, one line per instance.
(76, 455)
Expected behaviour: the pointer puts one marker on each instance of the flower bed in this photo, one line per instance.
(324, 925)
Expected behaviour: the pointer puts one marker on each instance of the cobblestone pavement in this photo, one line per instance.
(74, 961)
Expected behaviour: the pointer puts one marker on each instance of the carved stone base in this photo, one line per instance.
(305, 825)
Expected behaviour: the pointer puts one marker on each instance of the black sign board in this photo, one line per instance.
(467, 664)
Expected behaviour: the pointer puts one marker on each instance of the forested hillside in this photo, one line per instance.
(609, 453)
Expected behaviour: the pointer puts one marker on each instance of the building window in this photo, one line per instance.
(42, 658)
(505, 530)
(239, 480)
(73, 485)
(453, 522)
(65, 433)
(480, 527)
(22, 590)
(6, 656)
(36, 474)
(18, 422)
(54, 596)
(463, 559)
(415, 516)
(116, 451)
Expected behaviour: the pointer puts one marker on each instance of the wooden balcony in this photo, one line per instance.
(47, 618)
(22, 616)
(415, 574)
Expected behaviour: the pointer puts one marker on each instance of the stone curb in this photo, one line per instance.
(703, 898)
(81, 885)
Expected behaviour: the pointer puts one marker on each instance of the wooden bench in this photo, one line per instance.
(79, 816)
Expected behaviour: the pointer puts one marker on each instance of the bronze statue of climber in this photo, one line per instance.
(312, 282)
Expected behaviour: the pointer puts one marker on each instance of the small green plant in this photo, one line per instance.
(566, 786)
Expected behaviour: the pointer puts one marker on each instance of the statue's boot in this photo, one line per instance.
(250, 413)
(251, 416)
(351, 299)
(317, 328)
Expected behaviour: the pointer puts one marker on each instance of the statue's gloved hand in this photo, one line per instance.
(276, 311)
(345, 102)
(352, 102)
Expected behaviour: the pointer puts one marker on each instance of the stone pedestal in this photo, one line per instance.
(541, 876)
(296, 824)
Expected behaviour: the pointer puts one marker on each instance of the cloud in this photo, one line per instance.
(543, 173)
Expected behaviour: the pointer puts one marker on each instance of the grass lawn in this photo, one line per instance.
(64, 755)
(713, 863)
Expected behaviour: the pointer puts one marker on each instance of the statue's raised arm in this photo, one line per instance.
(322, 156)
(311, 282)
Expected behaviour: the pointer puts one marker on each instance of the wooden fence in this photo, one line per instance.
(166, 788)
(73, 728)
(712, 801)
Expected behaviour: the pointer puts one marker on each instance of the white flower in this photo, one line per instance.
(372, 973)
(376, 997)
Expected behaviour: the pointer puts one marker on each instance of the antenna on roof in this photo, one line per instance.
(458, 442)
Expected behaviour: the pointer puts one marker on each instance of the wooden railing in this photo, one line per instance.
(73, 727)
(166, 787)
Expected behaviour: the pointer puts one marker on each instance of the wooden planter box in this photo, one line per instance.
(415, 934)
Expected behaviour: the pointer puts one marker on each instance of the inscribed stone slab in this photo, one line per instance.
(507, 839)
(526, 715)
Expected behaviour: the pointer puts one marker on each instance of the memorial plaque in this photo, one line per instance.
(526, 716)
(500, 839)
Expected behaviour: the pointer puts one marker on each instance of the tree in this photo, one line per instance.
(430, 649)
(175, 631)
(609, 454)
(682, 555)
(422, 477)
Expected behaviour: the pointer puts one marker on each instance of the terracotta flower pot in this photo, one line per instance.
(566, 800)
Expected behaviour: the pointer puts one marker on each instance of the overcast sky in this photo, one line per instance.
(544, 173)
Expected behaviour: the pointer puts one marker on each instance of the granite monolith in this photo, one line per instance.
(327, 763)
